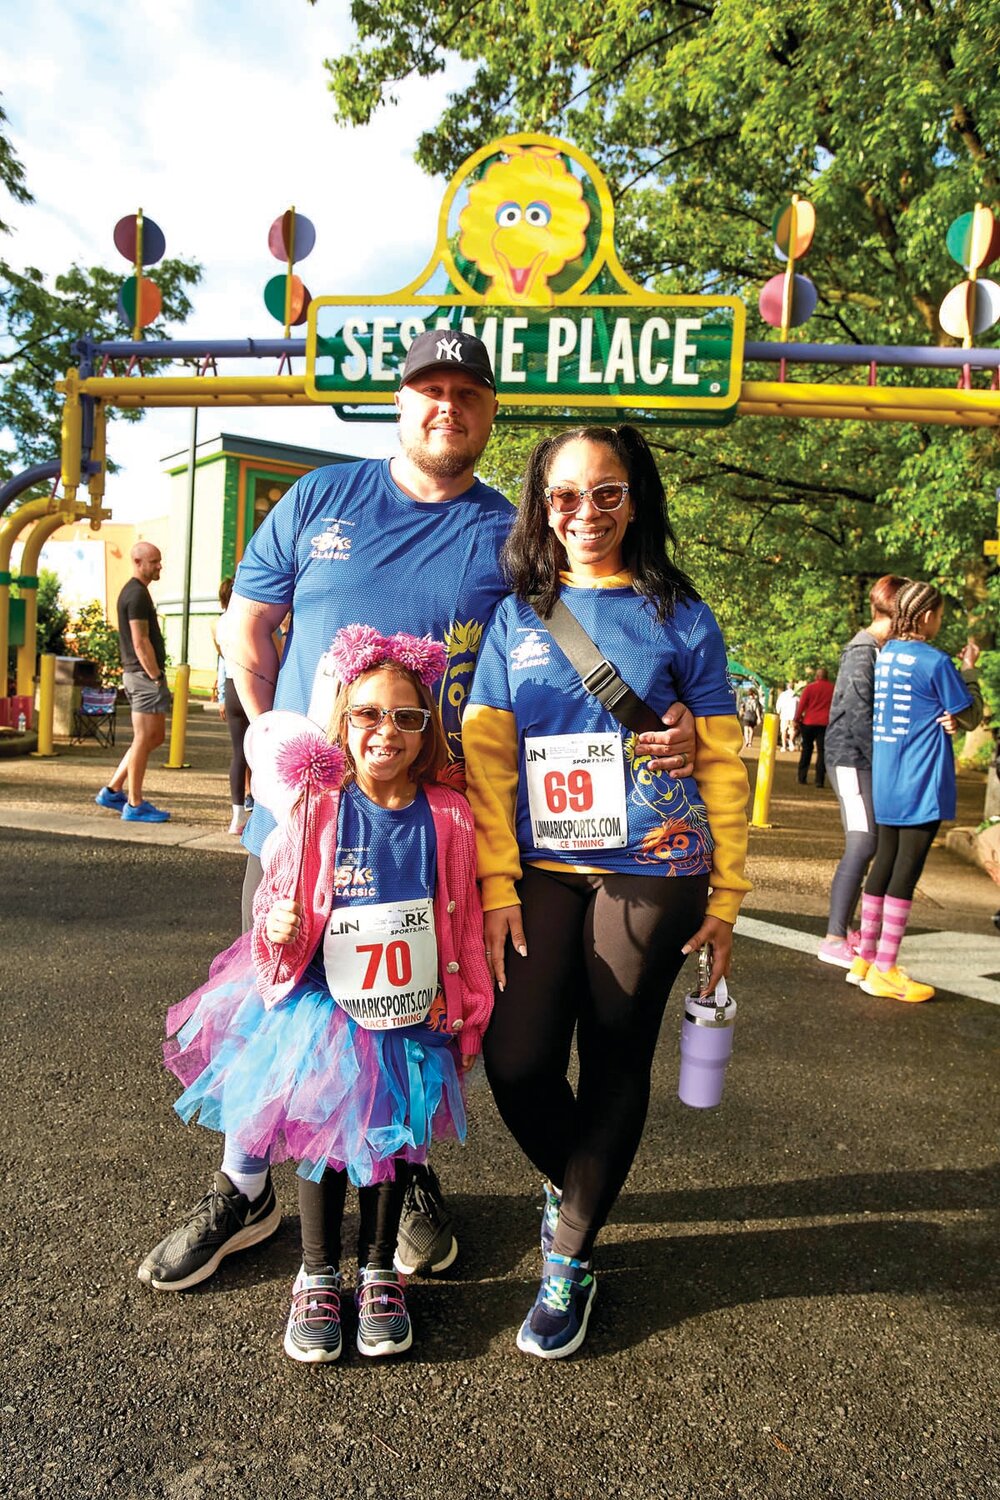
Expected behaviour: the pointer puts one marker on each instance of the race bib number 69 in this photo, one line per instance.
(576, 791)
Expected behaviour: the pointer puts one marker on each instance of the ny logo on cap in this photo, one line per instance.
(449, 349)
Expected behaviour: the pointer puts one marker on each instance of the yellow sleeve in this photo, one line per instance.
(489, 743)
(722, 781)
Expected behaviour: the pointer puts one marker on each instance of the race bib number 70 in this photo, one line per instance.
(382, 963)
(576, 791)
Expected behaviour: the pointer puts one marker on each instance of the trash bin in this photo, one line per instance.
(73, 674)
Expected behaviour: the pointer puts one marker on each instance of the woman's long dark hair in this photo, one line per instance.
(533, 555)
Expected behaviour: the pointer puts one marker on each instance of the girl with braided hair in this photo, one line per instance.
(920, 701)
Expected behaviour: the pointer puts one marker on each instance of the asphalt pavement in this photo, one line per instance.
(797, 1292)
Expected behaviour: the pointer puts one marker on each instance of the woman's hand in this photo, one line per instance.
(672, 748)
(496, 927)
(948, 723)
(283, 922)
(720, 934)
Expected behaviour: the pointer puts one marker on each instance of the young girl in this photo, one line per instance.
(342, 1050)
(920, 700)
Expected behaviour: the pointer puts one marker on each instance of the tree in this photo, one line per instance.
(705, 117)
(52, 615)
(40, 323)
(91, 637)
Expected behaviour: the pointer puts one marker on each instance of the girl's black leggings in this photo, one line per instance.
(900, 855)
(321, 1213)
(603, 952)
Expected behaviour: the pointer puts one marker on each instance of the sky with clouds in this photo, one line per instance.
(214, 117)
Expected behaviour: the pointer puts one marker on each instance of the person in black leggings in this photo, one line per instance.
(596, 873)
(236, 719)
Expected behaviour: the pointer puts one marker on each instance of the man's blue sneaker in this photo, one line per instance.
(557, 1324)
(114, 801)
(550, 1217)
(144, 813)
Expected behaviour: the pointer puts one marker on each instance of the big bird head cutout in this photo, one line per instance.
(524, 221)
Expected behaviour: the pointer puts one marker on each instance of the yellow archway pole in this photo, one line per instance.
(10, 530)
(27, 582)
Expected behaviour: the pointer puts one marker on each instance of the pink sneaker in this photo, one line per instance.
(836, 951)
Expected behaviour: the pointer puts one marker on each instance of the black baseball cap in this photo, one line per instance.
(448, 348)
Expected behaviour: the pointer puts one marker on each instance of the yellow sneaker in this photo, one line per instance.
(858, 970)
(895, 984)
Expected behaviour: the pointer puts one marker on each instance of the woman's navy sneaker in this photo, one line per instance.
(557, 1324)
(225, 1220)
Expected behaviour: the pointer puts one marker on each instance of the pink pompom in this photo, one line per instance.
(309, 761)
(359, 648)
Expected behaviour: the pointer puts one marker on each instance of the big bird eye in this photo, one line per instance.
(537, 213)
(508, 214)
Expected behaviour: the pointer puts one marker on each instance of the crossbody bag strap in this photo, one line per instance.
(596, 673)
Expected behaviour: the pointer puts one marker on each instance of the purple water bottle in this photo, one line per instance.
(706, 1040)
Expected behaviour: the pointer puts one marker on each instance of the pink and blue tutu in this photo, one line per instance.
(304, 1081)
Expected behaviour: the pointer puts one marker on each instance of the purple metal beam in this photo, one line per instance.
(902, 356)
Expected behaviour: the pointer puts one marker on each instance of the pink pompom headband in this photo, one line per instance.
(358, 649)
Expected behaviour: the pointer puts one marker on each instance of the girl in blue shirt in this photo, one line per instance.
(920, 700)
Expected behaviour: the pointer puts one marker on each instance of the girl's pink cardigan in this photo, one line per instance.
(458, 917)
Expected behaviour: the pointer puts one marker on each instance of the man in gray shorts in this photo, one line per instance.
(143, 657)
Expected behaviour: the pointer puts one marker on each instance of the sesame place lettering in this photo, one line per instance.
(650, 353)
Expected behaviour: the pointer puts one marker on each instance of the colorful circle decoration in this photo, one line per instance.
(290, 238)
(789, 299)
(141, 241)
(973, 240)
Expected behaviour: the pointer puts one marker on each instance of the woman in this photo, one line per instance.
(849, 759)
(750, 715)
(232, 710)
(595, 872)
(920, 700)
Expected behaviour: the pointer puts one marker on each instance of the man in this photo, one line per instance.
(786, 707)
(812, 718)
(412, 544)
(143, 658)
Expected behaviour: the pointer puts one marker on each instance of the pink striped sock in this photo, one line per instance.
(871, 925)
(894, 918)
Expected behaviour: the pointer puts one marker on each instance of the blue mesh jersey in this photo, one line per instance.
(577, 804)
(383, 854)
(913, 762)
(346, 546)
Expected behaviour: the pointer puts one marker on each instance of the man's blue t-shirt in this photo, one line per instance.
(578, 803)
(913, 762)
(346, 546)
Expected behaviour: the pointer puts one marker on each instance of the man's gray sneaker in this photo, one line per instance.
(425, 1243)
(223, 1222)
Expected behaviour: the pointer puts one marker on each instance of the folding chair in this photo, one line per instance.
(95, 718)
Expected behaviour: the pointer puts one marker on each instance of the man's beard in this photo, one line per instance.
(438, 463)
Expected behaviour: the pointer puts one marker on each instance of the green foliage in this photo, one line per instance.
(52, 617)
(90, 637)
(11, 171)
(38, 327)
(705, 118)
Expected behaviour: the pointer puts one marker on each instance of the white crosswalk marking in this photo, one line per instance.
(954, 961)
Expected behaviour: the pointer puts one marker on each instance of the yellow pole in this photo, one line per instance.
(71, 446)
(10, 528)
(137, 324)
(98, 455)
(765, 772)
(46, 707)
(288, 271)
(27, 583)
(178, 721)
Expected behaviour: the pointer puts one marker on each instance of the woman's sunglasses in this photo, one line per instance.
(407, 720)
(565, 498)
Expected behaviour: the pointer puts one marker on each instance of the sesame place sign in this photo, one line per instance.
(525, 259)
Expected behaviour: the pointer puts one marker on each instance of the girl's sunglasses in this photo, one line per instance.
(369, 716)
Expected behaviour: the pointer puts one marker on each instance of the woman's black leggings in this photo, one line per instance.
(899, 860)
(321, 1213)
(238, 725)
(603, 952)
